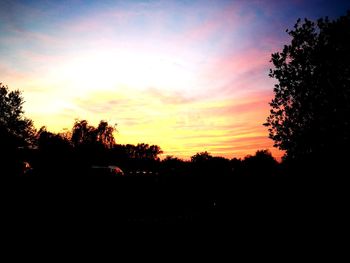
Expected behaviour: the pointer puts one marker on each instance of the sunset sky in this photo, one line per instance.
(190, 76)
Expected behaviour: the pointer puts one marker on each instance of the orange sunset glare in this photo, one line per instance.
(189, 78)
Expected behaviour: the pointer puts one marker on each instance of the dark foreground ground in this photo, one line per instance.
(270, 203)
(279, 216)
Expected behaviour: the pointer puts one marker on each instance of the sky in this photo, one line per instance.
(189, 76)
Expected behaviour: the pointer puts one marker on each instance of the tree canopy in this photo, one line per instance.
(15, 129)
(310, 112)
(83, 134)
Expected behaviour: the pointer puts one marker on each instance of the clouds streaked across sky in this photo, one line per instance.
(189, 76)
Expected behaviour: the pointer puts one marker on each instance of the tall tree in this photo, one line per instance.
(15, 129)
(82, 133)
(16, 132)
(105, 134)
(310, 112)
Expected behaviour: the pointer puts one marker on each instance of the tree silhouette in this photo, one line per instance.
(48, 140)
(16, 131)
(169, 159)
(82, 133)
(105, 134)
(261, 164)
(204, 163)
(201, 157)
(154, 151)
(310, 113)
(92, 144)
(55, 154)
(85, 134)
(144, 151)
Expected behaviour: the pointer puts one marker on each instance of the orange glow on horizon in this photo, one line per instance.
(189, 77)
(181, 126)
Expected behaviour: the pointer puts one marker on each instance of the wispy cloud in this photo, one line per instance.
(189, 76)
(187, 125)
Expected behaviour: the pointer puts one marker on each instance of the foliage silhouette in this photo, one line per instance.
(201, 157)
(261, 164)
(13, 124)
(310, 111)
(16, 131)
(54, 154)
(83, 133)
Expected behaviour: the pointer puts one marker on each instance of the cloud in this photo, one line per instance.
(183, 76)
(170, 97)
(224, 127)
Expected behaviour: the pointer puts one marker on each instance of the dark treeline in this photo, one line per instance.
(84, 169)
(86, 150)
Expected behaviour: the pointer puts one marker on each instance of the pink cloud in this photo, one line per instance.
(28, 35)
(10, 76)
(238, 107)
(235, 64)
(170, 97)
(224, 22)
